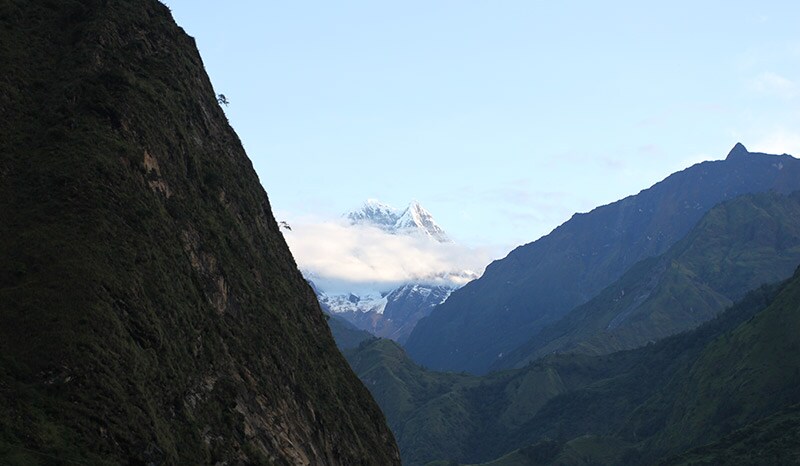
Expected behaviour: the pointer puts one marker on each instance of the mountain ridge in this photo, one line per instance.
(538, 283)
(736, 246)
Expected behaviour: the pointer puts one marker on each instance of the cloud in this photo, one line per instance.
(775, 84)
(343, 258)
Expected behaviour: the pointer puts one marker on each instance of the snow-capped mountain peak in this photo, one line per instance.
(415, 219)
(376, 213)
(391, 308)
(391, 314)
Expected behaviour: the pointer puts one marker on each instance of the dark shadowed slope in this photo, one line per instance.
(346, 334)
(735, 247)
(411, 397)
(540, 282)
(151, 311)
(773, 440)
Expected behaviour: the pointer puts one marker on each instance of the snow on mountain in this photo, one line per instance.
(413, 220)
(375, 213)
(393, 312)
(341, 303)
(416, 218)
(389, 315)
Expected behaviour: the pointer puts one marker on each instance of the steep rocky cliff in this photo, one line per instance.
(151, 311)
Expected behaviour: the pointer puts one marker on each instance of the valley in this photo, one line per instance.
(669, 356)
(158, 308)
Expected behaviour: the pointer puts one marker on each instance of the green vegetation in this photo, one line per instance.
(630, 407)
(151, 310)
(401, 389)
(773, 440)
(737, 246)
(587, 450)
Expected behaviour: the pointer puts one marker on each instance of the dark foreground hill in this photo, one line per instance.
(150, 310)
(538, 283)
(730, 384)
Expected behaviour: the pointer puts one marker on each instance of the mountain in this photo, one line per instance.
(346, 334)
(151, 310)
(539, 283)
(413, 220)
(393, 312)
(735, 247)
(406, 305)
(388, 315)
(772, 440)
(409, 397)
(729, 383)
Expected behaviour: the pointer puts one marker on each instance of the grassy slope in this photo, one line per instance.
(772, 440)
(642, 404)
(735, 247)
(744, 374)
(587, 450)
(403, 389)
(741, 377)
(151, 309)
(459, 416)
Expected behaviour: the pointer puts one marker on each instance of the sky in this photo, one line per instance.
(502, 118)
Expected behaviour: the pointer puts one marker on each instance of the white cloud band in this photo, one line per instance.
(344, 258)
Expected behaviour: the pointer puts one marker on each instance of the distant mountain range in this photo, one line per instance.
(389, 315)
(393, 313)
(539, 283)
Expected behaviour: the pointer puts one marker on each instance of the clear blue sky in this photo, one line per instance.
(501, 117)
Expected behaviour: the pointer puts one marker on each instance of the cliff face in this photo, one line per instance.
(151, 311)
